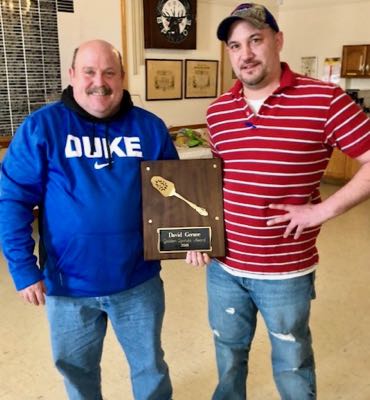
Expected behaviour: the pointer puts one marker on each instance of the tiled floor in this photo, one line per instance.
(340, 324)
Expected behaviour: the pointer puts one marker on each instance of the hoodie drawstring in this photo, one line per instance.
(93, 147)
(92, 141)
(106, 134)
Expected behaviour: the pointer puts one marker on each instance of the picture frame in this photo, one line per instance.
(331, 71)
(228, 77)
(309, 66)
(170, 24)
(201, 78)
(163, 79)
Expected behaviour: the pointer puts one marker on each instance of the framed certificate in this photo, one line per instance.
(201, 78)
(163, 79)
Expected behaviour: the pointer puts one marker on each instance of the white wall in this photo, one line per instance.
(311, 28)
(91, 20)
(185, 111)
(320, 28)
(102, 19)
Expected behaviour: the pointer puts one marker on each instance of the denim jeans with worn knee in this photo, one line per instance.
(285, 308)
(78, 327)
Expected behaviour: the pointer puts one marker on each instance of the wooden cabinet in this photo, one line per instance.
(4, 143)
(341, 168)
(356, 61)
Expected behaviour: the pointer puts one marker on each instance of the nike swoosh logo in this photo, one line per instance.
(100, 166)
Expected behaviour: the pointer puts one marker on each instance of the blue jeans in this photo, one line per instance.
(285, 308)
(78, 327)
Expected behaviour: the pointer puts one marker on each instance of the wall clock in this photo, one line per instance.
(170, 24)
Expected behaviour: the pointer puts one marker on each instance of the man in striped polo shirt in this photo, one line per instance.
(275, 131)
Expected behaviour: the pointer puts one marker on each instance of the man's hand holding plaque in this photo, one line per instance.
(197, 259)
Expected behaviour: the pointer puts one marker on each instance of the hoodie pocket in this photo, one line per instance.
(100, 262)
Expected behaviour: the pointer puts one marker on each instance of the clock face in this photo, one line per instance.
(175, 19)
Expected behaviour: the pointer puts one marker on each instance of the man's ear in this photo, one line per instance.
(71, 73)
(279, 37)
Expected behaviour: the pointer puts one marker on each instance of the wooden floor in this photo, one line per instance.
(340, 325)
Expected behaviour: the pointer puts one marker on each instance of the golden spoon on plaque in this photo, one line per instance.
(167, 188)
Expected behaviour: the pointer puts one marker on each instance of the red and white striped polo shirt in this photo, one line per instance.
(279, 156)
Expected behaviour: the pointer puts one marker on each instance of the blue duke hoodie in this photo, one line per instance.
(84, 174)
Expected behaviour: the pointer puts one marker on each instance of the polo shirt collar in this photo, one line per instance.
(287, 79)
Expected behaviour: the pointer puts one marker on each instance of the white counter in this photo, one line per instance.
(198, 152)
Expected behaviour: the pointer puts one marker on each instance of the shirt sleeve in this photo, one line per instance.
(20, 192)
(347, 126)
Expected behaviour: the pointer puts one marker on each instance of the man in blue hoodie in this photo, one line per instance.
(78, 160)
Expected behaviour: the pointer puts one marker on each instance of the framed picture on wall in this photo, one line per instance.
(201, 78)
(228, 76)
(309, 66)
(170, 24)
(163, 79)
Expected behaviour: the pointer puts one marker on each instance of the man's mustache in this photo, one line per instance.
(101, 90)
(249, 62)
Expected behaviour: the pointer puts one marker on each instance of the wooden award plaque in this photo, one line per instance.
(182, 208)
